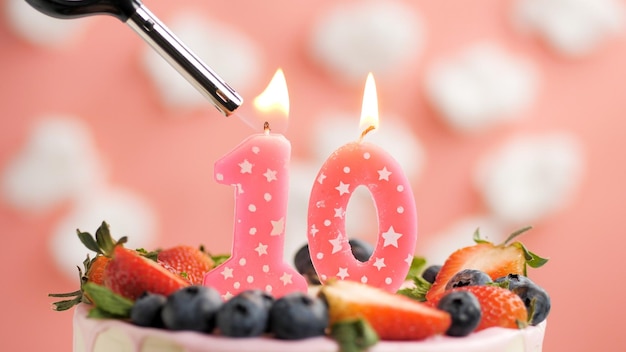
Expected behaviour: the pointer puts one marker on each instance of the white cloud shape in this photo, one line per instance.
(228, 52)
(572, 27)
(371, 36)
(125, 212)
(530, 177)
(481, 86)
(38, 28)
(58, 162)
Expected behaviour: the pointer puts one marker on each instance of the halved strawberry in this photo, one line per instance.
(499, 306)
(130, 275)
(495, 260)
(103, 244)
(393, 317)
(189, 262)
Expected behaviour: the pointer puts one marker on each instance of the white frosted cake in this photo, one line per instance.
(479, 300)
(93, 335)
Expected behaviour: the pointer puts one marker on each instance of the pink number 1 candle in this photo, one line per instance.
(352, 165)
(258, 169)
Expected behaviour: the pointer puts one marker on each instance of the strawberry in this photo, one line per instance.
(186, 261)
(495, 260)
(103, 245)
(499, 306)
(130, 275)
(95, 273)
(393, 317)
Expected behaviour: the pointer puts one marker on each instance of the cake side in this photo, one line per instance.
(105, 335)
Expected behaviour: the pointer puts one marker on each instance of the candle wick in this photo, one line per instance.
(366, 131)
(266, 127)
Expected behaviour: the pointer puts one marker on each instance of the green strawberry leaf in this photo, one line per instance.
(418, 292)
(88, 241)
(354, 335)
(477, 237)
(517, 233)
(532, 259)
(104, 239)
(417, 266)
(108, 301)
(219, 258)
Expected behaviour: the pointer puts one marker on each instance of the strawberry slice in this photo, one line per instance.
(495, 260)
(499, 307)
(130, 275)
(186, 261)
(393, 317)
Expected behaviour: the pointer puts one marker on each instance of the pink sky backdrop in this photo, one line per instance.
(154, 160)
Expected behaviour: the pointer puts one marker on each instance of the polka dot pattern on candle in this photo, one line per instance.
(369, 166)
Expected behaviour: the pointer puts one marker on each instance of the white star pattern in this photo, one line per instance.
(227, 296)
(409, 259)
(336, 244)
(380, 263)
(339, 213)
(343, 273)
(313, 230)
(343, 188)
(391, 237)
(261, 249)
(270, 175)
(321, 178)
(246, 167)
(227, 272)
(384, 174)
(286, 279)
(277, 227)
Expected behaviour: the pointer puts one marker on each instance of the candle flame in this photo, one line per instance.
(369, 109)
(273, 102)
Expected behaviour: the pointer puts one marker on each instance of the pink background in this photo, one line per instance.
(167, 156)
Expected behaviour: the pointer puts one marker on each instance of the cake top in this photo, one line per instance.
(476, 288)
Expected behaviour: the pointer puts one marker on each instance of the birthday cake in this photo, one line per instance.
(480, 299)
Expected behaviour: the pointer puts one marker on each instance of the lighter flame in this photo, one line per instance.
(275, 98)
(369, 109)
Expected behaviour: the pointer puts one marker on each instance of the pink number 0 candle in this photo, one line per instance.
(258, 168)
(352, 165)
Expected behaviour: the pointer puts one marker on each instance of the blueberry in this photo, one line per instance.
(536, 299)
(147, 310)
(430, 274)
(192, 308)
(468, 277)
(361, 250)
(464, 310)
(303, 264)
(298, 316)
(245, 315)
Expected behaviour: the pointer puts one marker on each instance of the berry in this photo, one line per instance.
(468, 277)
(130, 275)
(430, 273)
(298, 316)
(464, 310)
(361, 250)
(499, 307)
(187, 261)
(94, 269)
(244, 315)
(392, 316)
(535, 298)
(494, 260)
(147, 310)
(192, 308)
